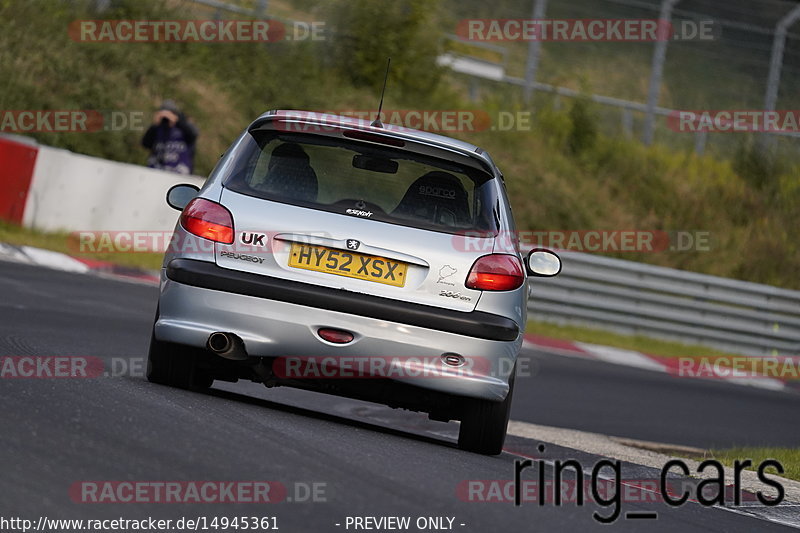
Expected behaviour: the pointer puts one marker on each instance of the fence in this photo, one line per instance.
(635, 298)
(750, 56)
(750, 62)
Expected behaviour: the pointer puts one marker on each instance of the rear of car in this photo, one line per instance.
(323, 240)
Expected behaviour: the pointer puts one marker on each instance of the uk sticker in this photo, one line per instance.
(252, 239)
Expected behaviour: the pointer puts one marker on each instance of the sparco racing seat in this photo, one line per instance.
(437, 197)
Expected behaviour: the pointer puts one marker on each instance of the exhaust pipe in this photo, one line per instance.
(227, 345)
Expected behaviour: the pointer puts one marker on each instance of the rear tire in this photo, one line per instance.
(484, 424)
(176, 365)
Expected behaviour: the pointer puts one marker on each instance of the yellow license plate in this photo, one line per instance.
(352, 265)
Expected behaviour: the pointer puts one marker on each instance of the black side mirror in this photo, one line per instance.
(180, 195)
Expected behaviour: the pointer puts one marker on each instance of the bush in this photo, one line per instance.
(367, 32)
(583, 127)
(757, 164)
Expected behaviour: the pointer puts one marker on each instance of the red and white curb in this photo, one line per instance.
(675, 366)
(60, 261)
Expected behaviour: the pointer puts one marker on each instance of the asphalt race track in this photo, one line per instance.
(365, 460)
(639, 404)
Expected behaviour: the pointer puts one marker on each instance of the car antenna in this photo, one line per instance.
(377, 122)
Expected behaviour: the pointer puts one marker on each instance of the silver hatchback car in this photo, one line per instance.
(351, 258)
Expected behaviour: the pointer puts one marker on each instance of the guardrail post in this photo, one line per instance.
(261, 9)
(627, 123)
(776, 61)
(534, 48)
(700, 141)
(657, 69)
(473, 89)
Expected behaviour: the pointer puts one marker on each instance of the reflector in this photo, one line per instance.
(336, 336)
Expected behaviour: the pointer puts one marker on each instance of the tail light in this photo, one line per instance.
(496, 272)
(209, 220)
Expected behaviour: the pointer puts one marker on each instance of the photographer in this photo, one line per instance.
(171, 140)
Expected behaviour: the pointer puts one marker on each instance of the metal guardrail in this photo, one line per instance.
(259, 11)
(635, 298)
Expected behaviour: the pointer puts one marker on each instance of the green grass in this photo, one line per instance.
(60, 242)
(788, 457)
(637, 343)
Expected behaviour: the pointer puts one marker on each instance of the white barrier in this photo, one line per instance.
(74, 192)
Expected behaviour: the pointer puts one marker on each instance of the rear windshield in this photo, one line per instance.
(364, 180)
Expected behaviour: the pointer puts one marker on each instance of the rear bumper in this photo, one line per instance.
(276, 318)
(474, 324)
